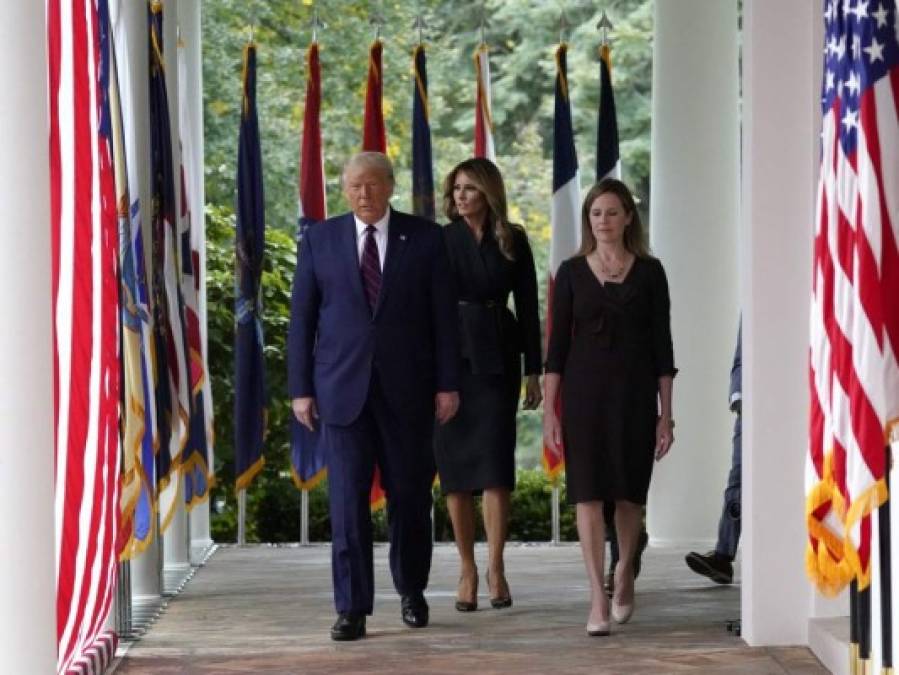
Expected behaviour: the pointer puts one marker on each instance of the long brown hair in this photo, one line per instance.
(634, 234)
(489, 182)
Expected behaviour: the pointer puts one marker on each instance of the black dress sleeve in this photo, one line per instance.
(527, 310)
(562, 321)
(662, 347)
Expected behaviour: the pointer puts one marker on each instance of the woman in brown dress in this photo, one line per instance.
(475, 451)
(610, 358)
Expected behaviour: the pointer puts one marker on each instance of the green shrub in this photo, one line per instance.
(273, 512)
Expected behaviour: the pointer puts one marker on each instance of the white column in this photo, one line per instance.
(176, 549)
(694, 209)
(145, 569)
(781, 94)
(191, 35)
(27, 556)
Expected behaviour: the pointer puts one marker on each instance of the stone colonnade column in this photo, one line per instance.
(146, 587)
(694, 210)
(191, 34)
(27, 552)
(176, 552)
(781, 108)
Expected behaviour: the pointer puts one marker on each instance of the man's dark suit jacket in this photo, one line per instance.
(335, 340)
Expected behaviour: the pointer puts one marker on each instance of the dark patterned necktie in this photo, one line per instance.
(371, 267)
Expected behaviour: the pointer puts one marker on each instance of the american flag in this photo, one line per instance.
(483, 120)
(854, 332)
(85, 326)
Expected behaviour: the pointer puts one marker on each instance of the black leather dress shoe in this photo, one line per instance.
(348, 626)
(415, 611)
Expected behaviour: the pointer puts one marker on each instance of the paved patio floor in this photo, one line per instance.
(264, 609)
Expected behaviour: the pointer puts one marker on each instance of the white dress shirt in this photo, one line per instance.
(380, 235)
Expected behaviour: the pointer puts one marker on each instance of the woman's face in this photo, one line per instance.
(470, 202)
(608, 218)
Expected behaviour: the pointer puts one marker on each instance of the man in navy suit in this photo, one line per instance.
(373, 356)
(717, 565)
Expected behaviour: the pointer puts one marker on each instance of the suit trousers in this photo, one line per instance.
(400, 445)
(729, 523)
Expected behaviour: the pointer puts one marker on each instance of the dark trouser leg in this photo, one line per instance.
(350, 469)
(729, 524)
(406, 459)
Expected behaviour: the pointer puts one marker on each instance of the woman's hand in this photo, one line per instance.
(664, 436)
(552, 432)
(532, 393)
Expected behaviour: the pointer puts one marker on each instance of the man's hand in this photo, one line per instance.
(446, 404)
(306, 411)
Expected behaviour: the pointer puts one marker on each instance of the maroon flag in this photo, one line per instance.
(374, 134)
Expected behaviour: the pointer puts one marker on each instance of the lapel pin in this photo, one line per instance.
(402, 237)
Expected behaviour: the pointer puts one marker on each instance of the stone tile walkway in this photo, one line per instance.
(267, 609)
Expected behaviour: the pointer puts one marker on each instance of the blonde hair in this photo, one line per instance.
(489, 182)
(370, 160)
(634, 234)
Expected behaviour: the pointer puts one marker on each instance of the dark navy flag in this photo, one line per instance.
(422, 162)
(607, 158)
(172, 402)
(249, 367)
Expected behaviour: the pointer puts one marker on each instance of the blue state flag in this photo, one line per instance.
(422, 162)
(249, 366)
(608, 164)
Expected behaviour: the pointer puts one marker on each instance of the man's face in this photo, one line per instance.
(368, 190)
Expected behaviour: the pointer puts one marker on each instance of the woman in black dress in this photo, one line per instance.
(475, 451)
(610, 358)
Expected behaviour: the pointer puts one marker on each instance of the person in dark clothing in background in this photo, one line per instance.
(717, 564)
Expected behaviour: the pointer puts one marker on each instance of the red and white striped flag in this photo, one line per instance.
(855, 285)
(85, 324)
(483, 114)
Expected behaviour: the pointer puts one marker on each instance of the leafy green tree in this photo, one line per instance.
(522, 35)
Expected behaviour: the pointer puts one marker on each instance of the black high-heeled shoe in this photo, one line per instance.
(465, 605)
(501, 602)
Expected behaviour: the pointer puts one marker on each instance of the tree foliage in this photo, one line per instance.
(522, 35)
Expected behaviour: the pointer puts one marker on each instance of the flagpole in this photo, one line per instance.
(605, 26)
(864, 631)
(886, 579)
(241, 516)
(854, 663)
(556, 516)
(304, 517)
